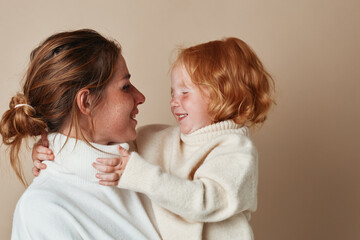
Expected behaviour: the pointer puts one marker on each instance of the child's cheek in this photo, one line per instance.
(185, 100)
(187, 97)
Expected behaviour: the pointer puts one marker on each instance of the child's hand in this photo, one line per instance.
(112, 168)
(40, 153)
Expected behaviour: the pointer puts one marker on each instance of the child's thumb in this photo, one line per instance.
(44, 140)
(123, 152)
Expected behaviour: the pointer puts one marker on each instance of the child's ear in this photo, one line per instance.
(83, 100)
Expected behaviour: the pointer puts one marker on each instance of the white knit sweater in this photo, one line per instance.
(66, 202)
(202, 185)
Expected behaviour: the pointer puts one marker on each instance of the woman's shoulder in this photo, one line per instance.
(40, 212)
(37, 195)
(35, 209)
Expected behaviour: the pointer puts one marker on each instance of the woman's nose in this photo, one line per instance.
(139, 97)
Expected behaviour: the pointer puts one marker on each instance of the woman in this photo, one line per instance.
(74, 79)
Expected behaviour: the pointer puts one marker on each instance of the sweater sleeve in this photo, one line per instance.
(223, 185)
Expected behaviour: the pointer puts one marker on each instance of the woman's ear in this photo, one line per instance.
(83, 100)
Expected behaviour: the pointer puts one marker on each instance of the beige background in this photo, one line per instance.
(309, 153)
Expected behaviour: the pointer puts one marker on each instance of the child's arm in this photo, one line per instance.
(225, 184)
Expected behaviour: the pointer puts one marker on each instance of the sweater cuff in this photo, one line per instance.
(139, 174)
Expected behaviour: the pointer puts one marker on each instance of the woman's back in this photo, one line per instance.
(65, 201)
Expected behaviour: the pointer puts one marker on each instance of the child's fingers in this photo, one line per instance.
(43, 157)
(107, 183)
(42, 149)
(44, 140)
(123, 152)
(38, 164)
(111, 177)
(35, 171)
(103, 168)
(109, 161)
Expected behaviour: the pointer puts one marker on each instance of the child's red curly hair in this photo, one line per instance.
(240, 88)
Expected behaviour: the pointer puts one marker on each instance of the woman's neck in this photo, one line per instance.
(75, 157)
(82, 132)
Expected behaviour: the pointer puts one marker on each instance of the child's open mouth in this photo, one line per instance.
(182, 116)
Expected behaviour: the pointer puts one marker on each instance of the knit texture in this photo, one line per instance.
(203, 185)
(66, 201)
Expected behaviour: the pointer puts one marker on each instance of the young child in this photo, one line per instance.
(202, 175)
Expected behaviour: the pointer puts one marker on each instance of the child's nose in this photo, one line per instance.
(174, 102)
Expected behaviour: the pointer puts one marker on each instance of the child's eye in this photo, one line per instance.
(184, 92)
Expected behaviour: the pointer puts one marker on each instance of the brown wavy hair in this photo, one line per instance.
(240, 88)
(59, 67)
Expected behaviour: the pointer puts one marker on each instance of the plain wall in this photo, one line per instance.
(309, 157)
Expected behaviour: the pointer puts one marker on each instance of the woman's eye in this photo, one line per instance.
(126, 87)
(184, 93)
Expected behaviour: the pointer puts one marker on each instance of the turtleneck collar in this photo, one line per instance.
(209, 132)
(76, 156)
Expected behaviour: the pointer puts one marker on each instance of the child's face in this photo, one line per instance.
(189, 104)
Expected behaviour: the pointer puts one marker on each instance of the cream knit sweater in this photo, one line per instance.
(66, 201)
(202, 185)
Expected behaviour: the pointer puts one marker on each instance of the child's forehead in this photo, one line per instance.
(182, 83)
(180, 76)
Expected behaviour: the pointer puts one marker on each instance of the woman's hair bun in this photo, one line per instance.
(20, 120)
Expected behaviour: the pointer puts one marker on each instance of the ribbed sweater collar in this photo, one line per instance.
(76, 157)
(209, 132)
